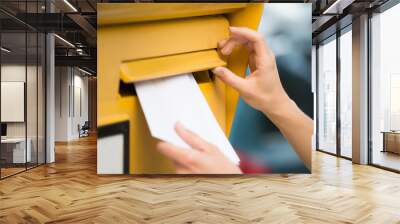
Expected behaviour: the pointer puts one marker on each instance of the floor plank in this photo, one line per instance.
(69, 191)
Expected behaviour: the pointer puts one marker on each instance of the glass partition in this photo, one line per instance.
(14, 154)
(23, 91)
(327, 95)
(346, 93)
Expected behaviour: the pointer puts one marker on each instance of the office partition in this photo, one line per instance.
(22, 78)
(15, 149)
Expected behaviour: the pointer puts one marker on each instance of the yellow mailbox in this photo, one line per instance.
(145, 41)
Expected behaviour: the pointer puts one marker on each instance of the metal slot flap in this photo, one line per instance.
(158, 67)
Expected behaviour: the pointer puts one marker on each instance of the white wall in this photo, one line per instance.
(62, 78)
(12, 101)
(80, 94)
(33, 126)
(12, 73)
(71, 94)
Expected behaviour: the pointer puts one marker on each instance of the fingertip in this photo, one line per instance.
(179, 127)
(221, 43)
(226, 51)
(161, 146)
(233, 28)
(245, 33)
(231, 79)
(228, 47)
(181, 131)
(222, 73)
(217, 70)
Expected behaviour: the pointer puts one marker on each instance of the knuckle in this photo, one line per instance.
(222, 72)
(209, 147)
(214, 149)
(258, 37)
(180, 171)
(161, 146)
(188, 159)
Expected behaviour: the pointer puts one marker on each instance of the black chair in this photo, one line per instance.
(84, 130)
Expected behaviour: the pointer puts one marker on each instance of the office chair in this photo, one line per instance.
(84, 130)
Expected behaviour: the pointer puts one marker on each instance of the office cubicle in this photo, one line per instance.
(22, 88)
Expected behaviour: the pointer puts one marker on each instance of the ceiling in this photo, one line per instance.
(72, 20)
(331, 15)
(75, 21)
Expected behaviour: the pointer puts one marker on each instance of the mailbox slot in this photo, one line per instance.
(201, 77)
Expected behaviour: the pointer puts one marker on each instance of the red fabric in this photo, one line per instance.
(248, 165)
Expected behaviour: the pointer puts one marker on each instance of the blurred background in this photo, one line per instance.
(287, 30)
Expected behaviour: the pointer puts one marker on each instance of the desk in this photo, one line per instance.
(391, 141)
(15, 148)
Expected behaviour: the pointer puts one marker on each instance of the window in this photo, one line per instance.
(346, 75)
(327, 95)
(394, 102)
(385, 89)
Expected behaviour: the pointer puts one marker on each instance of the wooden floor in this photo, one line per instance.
(387, 159)
(5, 172)
(69, 191)
(10, 171)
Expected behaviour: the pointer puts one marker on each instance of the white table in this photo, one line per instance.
(19, 149)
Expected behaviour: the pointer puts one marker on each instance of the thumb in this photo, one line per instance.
(228, 77)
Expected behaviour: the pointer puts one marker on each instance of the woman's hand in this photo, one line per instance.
(202, 158)
(262, 89)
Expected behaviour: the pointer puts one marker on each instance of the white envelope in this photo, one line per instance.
(166, 101)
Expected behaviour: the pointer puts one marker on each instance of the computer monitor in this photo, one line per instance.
(3, 129)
